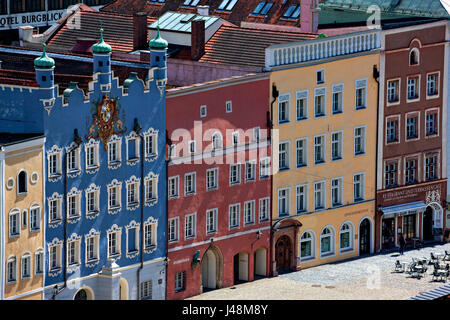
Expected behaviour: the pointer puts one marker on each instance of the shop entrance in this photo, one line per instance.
(428, 224)
(283, 254)
(388, 233)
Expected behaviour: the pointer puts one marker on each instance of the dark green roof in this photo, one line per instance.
(158, 42)
(101, 46)
(421, 8)
(44, 61)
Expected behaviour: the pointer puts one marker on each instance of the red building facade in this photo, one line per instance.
(219, 185)
(411, 175)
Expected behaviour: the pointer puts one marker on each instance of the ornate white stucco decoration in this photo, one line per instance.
(115, 183)
(151, 221)
(96, 189)
(116, 164)
(131, 225)
(129, 182)
(149, 178)
(76, 266)
(55, 196)
(55, 242)
(92, 234)
(95, 144)
(54, 150)
(77, 193)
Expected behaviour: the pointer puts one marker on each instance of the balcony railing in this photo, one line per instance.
(321, 48)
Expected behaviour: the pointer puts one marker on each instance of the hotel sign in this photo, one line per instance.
(35, 19)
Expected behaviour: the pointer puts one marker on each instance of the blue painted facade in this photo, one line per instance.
(127, 198)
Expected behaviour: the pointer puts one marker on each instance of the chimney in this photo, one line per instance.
(25, 34)
(203, 10)
(309, 15)
(140, 31)
(83, 45)
(197, 39)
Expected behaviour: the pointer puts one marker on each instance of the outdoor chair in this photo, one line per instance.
(446, 256)
(433, 258)
(421, 269)
(398, 266)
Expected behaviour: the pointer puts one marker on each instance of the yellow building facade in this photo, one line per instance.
(324, 115)
(22, 217)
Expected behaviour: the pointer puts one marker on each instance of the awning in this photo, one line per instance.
(433, 294)
(403, 209)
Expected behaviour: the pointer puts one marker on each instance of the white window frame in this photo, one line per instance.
(76, 195)
(14, 222)
(94, 146)
(301, 95)
(264, 168)
(174, 192)
(249, 212)
(117, 142)
(332, 241)
(235, 214)
(323, 149)
(39, 262)
(304, 151)
(228, 106)
(362, 187)
(287, 150)
(11, 269)
(264, 209)
(337, 89)
(117, 231)
(150, 143)
(193, 232)
(238, 174)
(361, 84)
(284, 99)
(193, 188)
(363, 140)
(26, 258)
(305, 198)
(203, 111)
(250, 165)
(311, 239)
(323, 197)
(57, 153)
(351, 237)
(340, 143)
(74, 152)
(95, 237)
(287, 199)
(211, 227)
(133, 184)
(397, 86)
(173, 223)
(320, 92)
(340, 190)
(117, 186)
(416, 88)
(215, 172)
(35, 217)
(437, 85)
(95, 190)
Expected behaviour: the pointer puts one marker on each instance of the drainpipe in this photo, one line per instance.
(77, 141)
(275, 95)
(167, 160)
(376, 76)
(137, 128)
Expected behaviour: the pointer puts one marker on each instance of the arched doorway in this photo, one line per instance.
(428, 224)
(123, 289)
(212, 269)
(240, 266)
(260, 263)
(364, 237)
(283, 254)
(84, 294)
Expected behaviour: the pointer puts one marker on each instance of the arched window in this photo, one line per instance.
(217, 141)
(22, 182)
(26, 265)
(307, 246)
(14, 222)
(81, 295)
(414, 57)
(326, 242)
(346, 236)
(11, 269)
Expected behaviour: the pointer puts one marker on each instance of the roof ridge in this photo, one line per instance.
(268, 30)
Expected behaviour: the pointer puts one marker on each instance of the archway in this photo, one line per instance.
(364, 237)
(260, 262)
(428, 224)
(123, 289)
(283, 249)
(240, 266)
(212, 269)
(84, 293)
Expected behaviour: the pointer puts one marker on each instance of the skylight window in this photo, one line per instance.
(191, 3)
(157, 1)
(262, 8)
(227, 5)
(292, 12)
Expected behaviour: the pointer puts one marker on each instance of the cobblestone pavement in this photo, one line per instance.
(366, 278)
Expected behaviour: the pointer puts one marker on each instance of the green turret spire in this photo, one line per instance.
(158, 42)
(101, 46)
(44, 61)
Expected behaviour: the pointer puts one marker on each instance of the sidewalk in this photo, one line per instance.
(367, 278)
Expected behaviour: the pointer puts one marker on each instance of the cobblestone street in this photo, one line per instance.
(367, 278)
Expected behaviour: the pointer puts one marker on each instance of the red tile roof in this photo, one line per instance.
(242, 11)
(246, 47)
(118, 30)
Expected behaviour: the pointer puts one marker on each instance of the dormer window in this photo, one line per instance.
(191, 3)
(227, 5)
(262, 8)
(293, 12)
(414, 57)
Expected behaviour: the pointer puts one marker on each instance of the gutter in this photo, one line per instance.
(376, 76)
(275, 95)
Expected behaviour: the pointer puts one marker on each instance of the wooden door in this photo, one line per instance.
(283, 254)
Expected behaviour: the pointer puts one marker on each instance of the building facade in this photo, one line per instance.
(218, 185)
(22, 212)
(324, 103)
(105, 177)
(412, 135)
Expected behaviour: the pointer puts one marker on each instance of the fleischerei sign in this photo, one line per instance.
(35, 19)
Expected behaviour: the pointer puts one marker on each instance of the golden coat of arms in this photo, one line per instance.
(105, 121)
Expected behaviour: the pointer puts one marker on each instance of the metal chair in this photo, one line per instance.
(433, 258)
(398, 266)
(446, 256)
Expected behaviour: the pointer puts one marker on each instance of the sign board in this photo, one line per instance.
(35, 19)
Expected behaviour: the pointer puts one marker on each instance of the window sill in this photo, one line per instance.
(114, 163)
(337, 112)
(320, 115)
(336, 159)
(283, 169)
(92, 167)
(357, 154)
(93, 260)
(360, 108)
(307, 259)
(319, 162)
(327, 255)
(15, 235)
(302, 119)
(212, 189)
(73, 171)
(301, 166)
(93, 212)
(235, 183)
(283, 121)
(358, 200)
(55, 221)
(115, 208)
(58, 175)
(35, 229)
(347, 250)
